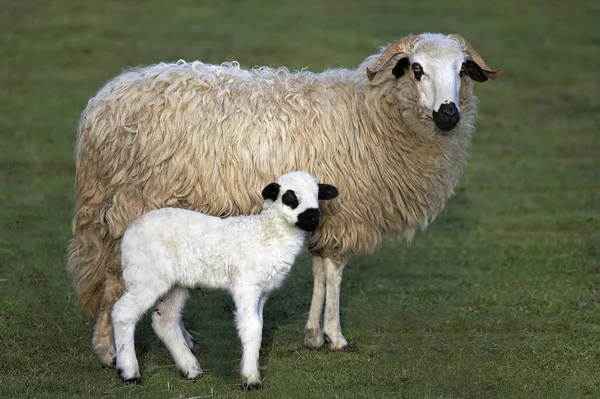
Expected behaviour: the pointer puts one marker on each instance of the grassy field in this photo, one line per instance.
(499, 298)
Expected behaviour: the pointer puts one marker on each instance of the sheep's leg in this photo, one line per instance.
(313, 329)
(126, 313)
(166, 321)
(103, 343)
(249, 325)
(333, 329)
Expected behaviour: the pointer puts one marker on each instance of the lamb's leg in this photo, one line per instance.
(166, 321)
(313, 329)
(103, 343)
(249, 325)
(126, 313)
(189, 340)
(332, 328)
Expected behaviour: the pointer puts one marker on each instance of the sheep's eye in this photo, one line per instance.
(289, 198)
(463, 68)
(418, 70)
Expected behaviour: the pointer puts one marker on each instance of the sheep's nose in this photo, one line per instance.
(446, 117)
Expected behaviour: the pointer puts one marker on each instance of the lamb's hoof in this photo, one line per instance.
(314, 339)
(192, 376)
(133, 381)
(195, 347)
(129, 381)
(251, 386)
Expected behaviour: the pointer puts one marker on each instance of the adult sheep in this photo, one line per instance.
(392, 135)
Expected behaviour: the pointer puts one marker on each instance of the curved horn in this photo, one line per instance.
(402, 46)
(492, 73)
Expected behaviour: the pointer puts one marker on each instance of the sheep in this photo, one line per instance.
(167, 251)
(392, 135)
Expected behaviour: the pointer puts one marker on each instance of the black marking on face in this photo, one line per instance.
(399, 68)
(327, 192)
(289, 198)
(271, 192)
(474, 71)
(447, 117)
(309, 219)
(418, 70)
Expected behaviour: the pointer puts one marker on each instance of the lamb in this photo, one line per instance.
(392, 135)
(167, 251)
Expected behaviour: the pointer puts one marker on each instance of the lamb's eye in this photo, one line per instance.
(463, 67)
(418, 70)
(289, 198)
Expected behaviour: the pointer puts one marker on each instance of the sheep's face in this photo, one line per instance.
(436, 63)
(296, 197)
(437, 66)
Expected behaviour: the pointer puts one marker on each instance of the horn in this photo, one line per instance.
(492, 73)
(402, 46)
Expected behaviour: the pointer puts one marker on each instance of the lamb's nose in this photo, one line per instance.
(309, 219)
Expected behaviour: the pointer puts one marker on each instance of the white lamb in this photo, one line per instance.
(167, 251)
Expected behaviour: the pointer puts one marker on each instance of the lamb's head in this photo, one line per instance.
(437, 63)
(296, 196)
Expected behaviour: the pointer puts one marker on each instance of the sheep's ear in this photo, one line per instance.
(474, 71)
(400, 67)
(327, 192)
(271, 192)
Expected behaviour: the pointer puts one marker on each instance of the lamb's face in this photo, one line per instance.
(296, 196)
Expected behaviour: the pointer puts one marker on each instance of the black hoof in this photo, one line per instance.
(251, 387)
(195, 346)
(129, 381)
(193, 379)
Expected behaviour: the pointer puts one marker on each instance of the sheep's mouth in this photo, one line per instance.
(444, 127)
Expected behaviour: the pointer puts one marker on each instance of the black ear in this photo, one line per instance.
(472, 70)
(401, 65)
(271, 192)
(327, 192)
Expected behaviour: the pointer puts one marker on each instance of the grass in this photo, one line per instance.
(499, 298)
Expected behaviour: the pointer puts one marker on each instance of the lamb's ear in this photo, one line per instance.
(271, 192)
(327, 192)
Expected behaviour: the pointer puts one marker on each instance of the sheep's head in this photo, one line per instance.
(296, 196)
(437, 63)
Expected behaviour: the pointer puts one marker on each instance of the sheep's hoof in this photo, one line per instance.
(251, 386)
(105, 351)
(338, 345)
(314, 339)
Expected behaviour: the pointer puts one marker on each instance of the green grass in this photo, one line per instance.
(499, 298)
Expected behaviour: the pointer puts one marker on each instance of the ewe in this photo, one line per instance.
(392, 135)
(167, 251)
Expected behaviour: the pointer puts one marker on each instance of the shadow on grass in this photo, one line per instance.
(209, 315)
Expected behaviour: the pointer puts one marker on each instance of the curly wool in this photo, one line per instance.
(203, 137)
